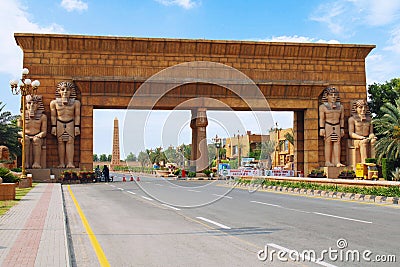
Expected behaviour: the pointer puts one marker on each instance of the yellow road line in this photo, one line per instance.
(93, 240)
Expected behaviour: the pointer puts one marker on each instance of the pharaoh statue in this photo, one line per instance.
(65, 122)
(361, 130)
(331, 125)
(35, 131)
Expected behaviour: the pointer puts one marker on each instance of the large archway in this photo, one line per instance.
(109, 70)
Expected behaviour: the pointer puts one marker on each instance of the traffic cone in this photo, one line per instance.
(123, 179)
(138, 179)
(131, 179)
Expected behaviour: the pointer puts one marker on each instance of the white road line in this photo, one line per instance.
(339, 217)
(222, 196)
(307, 257)
(173, 186)
(147, 198)
(148, 182)
(160, 184)
(215, 223)
(130, 192)
(170, 207)
(120, 188)
(191, 190)
(268, 204)
(112, 185)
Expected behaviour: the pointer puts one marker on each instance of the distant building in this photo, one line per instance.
(284, 151)
(240, 146)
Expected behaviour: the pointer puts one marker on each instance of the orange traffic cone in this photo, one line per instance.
(131, 179)
(138, 179)
(123, 179)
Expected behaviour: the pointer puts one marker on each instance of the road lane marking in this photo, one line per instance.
(192, 190)
(112, 185)
(148, 182)
(215, 223)
(340, 217)
(173, 186)
(268, 204)
(120, 188)
(93, 240)
(307, 257)
(222, 196)
(159, 184)
(147, 198)
(130, 192)
(171, 207)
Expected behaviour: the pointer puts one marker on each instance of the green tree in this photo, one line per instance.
(103, 157)
(387, 128)
(143, 158)
(131, 157)
(9, 132)
(380, 94)
(156, 155)
(95, 158)
(171, 155)
(109, 158)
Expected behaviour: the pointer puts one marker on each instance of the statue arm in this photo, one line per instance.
(43, 127)
(341, 121)
(322, 120)
(53, 118)
(77, 117)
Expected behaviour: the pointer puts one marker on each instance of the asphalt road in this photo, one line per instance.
(158, 222)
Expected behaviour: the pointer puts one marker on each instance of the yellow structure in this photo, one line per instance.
(284, 150)
(367, 171)
(240, 146)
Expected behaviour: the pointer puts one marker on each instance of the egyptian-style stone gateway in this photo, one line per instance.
(109, 70)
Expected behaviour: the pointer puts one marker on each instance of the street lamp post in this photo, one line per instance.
(24, 87)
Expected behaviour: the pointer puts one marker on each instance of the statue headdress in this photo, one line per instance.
(40, 107)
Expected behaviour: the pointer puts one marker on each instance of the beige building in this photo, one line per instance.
(240, 146)
(284, 150)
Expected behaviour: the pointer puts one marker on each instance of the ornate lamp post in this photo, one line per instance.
(217, 142)
(24, 87)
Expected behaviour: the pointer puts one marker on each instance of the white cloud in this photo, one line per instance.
(331, 14)
(394, 41)
(377, 13)
(15, 18)
(298, 39)
(186, 4)
(72, 5)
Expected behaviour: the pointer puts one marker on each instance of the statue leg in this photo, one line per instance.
(328, 153)
(373, 141)
(27, 152)
(336, 154)
(61, 153)
(37, 149)
(70, 153)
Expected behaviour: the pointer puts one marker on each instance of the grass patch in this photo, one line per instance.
(390, 191)
(5, 205)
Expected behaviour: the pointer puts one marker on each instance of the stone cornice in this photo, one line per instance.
(32, 42)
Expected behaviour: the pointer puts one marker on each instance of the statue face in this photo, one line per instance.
(5, 153)
(362, 110)
(332, 97)
(31, 106)
(65, 92)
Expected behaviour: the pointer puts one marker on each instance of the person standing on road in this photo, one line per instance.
(106, 173)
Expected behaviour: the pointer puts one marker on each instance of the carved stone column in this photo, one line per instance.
(199, 154)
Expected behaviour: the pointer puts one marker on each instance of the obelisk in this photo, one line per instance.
(115, 159)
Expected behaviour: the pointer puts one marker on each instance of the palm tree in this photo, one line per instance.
(9, 132)
(388, 129)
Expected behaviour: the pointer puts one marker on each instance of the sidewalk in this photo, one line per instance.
(33, 233)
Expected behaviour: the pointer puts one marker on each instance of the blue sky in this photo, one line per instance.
(374, 22)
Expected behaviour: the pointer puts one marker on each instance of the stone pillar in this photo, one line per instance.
(86, 146)
(298, 129)
(115, 159)
(199, 155)
(311, 140)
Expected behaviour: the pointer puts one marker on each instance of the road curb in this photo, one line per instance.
(321, 193)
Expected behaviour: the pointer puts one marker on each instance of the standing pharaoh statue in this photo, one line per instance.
(361, 130)
(35, 131)
(331, 123)
(65, 122)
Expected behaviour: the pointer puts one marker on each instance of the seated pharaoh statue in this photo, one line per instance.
(361, 132)
(35, 131)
